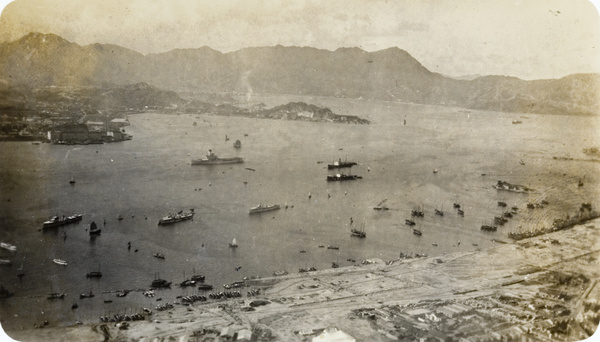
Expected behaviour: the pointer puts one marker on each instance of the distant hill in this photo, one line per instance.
(38, 60)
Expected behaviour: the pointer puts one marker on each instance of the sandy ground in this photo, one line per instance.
(305, 301)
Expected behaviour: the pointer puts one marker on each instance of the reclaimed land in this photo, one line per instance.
(539, 288)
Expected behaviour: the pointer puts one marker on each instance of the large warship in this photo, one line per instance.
(212, 159)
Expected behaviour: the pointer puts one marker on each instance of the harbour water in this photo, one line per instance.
(286, 164)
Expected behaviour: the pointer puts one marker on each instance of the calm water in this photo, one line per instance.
(151, 175)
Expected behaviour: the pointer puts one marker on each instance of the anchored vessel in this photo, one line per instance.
(340, 164)
(358, 233)
(56, 221)
(262, 208)
(212, 159)
(342, 177)
(173, 218)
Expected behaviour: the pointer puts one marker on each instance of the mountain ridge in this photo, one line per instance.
(38, 60)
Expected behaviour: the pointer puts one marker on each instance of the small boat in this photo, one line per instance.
(233, 243)
(56, 295)
(435, 171)
(4, 292)
(417, 232)
(342, 177)
(521, 162)
(360, 233)
(237, 144)
(59, 262)
(332, 247)
(334, 265)
(173, 218)
(515, 122)
(410, 222)
(501, 204)
(204, 287)
(56, 221)
(262, 208)
(94, 230)
(439, 212)
(5, 262)
(489, 228)
(460, 212)
(417, 213)
(87, 295)
(380, 206)
(198, 278)
(159, 255)
(456, 205)
(157, 283)
(120, 218)
(94, 274)
(72, 181)
(8, 246)
(187, 282)
(280, 273)
(434, 244)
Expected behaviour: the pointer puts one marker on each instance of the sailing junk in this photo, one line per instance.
(94, 230)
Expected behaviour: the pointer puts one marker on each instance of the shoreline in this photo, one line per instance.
(303, 301)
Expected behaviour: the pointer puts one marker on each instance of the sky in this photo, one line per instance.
(529, 39)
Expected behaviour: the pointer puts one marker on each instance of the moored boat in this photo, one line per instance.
(56, 295)
(342, 177)
(417, 232)
(57, 221)
(59, 262)
(94, 274)
(204, 287)
(198, 278)
(489, 228)
(358, 233)
(212, 159)
(157, 283)
(262, 208)
(8, 246)
(340, 164)
(173, 218)
(159, 255)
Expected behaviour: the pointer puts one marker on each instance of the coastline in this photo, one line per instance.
(312, 301)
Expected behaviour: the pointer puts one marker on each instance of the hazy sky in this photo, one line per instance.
(529, 39)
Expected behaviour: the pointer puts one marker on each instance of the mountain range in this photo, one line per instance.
(41, 60)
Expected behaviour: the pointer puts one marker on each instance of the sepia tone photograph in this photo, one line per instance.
(267, 170)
